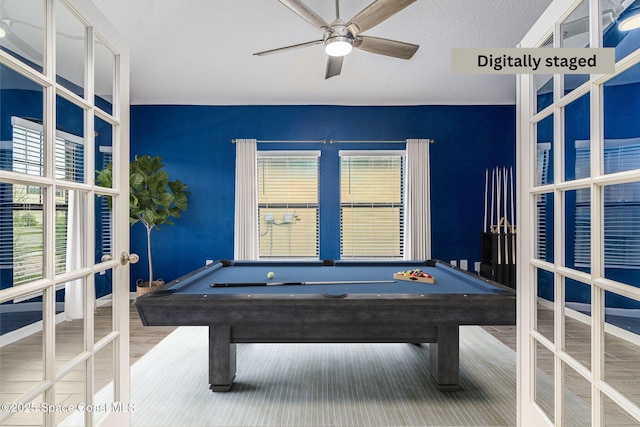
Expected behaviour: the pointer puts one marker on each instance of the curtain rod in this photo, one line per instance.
(335, 141)
(324, 141)
(332, 141)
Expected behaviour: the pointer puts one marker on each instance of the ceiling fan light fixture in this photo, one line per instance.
(338, 46)
(630, 23)
(630, 19)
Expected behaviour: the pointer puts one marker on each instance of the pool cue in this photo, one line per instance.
(504, 183)
(499, 260)
(493, 178)
(486, 189)
(329, 282)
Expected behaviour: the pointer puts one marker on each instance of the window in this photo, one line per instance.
(371, 204)
(288, 204)
(23, 229)
(621, 206)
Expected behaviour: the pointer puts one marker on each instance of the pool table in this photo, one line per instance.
(329, 301)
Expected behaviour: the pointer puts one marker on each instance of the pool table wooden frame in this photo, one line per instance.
(315, 318)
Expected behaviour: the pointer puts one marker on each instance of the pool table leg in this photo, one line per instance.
(444, 357)
(222, 358)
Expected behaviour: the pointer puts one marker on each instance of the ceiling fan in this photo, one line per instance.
(340, 37)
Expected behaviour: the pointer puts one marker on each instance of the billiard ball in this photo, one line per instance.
(271, 275)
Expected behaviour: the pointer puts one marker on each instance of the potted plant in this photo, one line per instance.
(153, 200)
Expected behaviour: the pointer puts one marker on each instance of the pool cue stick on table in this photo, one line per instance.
(325, 282)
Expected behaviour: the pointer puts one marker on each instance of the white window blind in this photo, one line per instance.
(288, 204)
(621, 206)
(22, 244)
(542, 177)
(371, 204)
(105, 210)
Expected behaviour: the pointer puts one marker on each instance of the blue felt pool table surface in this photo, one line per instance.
(369, 276)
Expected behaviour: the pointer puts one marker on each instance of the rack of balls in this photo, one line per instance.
(415, 275)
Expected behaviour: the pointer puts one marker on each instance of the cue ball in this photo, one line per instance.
(271, 275)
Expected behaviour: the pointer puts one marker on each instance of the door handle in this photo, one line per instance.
(131, 258)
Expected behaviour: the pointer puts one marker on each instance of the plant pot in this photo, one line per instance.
(144, 288)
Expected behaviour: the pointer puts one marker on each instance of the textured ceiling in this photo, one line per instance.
(200, 52)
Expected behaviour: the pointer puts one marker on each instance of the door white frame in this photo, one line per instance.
(530, 412)
(96, 26)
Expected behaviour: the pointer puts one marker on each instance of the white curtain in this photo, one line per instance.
(417, 239)
(74, 290)
(245, 237)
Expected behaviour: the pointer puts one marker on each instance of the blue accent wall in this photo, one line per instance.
(195, 144)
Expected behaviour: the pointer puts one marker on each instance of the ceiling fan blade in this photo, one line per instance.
(375, 13)
(386, 47)
(334, 66)
(305, 13)
(287, 48)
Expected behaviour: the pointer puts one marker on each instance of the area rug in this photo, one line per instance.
(325, 385)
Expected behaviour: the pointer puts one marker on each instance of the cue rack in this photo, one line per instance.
(499, 229)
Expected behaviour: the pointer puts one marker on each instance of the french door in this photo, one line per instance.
(578, 155)
(64, 294)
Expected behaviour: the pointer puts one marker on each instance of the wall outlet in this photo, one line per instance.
(288, 218)
(464, 264)
(476, 267)
(268, 218)
(453, 262)
(208, 261)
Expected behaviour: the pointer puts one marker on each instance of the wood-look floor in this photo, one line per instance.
(21, 362)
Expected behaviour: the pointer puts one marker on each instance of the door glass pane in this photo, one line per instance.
(71, 229)
(104, 147)
(22, 22)
(104, 375)
(622, 232)
(21, 149)
(21, 365)
(614, 415)
(621, 148)
(104, 227)
(575, 34)
(577, 398)
(577, 321)
(28, 417)
(544, 303)
(70, 391)
(544, 227)
(577, 229)
(70, 50)
(103, 308)
(104, 72)
(621, 348)
(70, 332)
(26, 233)
(544, 151)
(544, 391)
(70, 146)
(577, 139)
(617, 24)
(543, 83)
